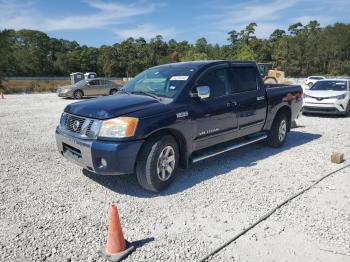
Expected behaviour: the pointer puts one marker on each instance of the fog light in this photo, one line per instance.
(103, 162)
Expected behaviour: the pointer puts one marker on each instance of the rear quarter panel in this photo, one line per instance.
(279, 96)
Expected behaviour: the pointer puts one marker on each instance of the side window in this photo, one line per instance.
(94, 82)
(218, 81)
(244, 79)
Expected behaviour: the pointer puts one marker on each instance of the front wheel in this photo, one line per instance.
(278, 133)
(270, 80)
(157, 163)
(78, 94)
(113, 91)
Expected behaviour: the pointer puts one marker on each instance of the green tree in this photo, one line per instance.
(294, 29)
(277, 34)
(233, 37)
(247, 34)
(7, 61)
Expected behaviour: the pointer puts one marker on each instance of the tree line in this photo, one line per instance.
(301, 51)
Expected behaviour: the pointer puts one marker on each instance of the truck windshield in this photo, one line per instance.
(330, 85)
(162, 82)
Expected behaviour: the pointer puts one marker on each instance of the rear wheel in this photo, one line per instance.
(157, 163)
(278, 133)
(270, 80)
(78, 94)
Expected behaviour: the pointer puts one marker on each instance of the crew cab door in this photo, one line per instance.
(214, 118)
(251, 103)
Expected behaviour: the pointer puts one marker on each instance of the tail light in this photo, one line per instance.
(301, 94)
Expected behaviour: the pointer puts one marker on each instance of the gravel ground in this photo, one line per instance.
(50, 210)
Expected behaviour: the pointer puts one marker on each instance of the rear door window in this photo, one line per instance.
(244, 79)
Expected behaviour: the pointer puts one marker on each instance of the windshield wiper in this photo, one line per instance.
(147, 94)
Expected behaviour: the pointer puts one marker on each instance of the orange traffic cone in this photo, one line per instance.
(117, 248)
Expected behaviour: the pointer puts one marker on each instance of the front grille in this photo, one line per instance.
(74, 123)
(72, 150)
(89, 132)
(81, 126)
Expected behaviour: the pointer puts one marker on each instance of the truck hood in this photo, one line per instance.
(111, 106)
(324, 93)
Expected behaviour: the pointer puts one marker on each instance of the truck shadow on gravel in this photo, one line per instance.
(202, 171)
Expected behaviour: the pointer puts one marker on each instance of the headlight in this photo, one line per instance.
(65, 90)
(341, 96)
(63, 120)
(306, 96)
(119, 127)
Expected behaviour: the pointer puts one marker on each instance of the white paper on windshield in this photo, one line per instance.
(179, 78)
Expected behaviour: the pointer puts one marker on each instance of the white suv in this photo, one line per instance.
(330, 96)
(312, 80)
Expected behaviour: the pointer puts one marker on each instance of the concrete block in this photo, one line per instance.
(337, 158)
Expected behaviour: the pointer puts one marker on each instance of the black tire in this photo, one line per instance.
(113, 91)
(270, 80)
(149, 164)
(78, 94)
(274, 137)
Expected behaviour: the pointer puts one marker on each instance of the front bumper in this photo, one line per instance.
(91, 154)
(68, 94)
(322, 110)
(325, 106)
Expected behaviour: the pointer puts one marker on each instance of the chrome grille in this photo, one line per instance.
(81, 126)
(74, 123)
(88, 132)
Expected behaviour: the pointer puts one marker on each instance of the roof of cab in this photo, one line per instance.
(199, 64)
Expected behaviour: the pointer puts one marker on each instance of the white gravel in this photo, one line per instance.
(51, 211)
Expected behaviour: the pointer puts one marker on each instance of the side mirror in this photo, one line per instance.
(203, 92)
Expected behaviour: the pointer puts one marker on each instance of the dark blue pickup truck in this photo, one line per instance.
(172, 115)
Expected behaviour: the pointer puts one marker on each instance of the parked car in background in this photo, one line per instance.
(89, 87)
(172, 115)
(330, 96)
(312, 80)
